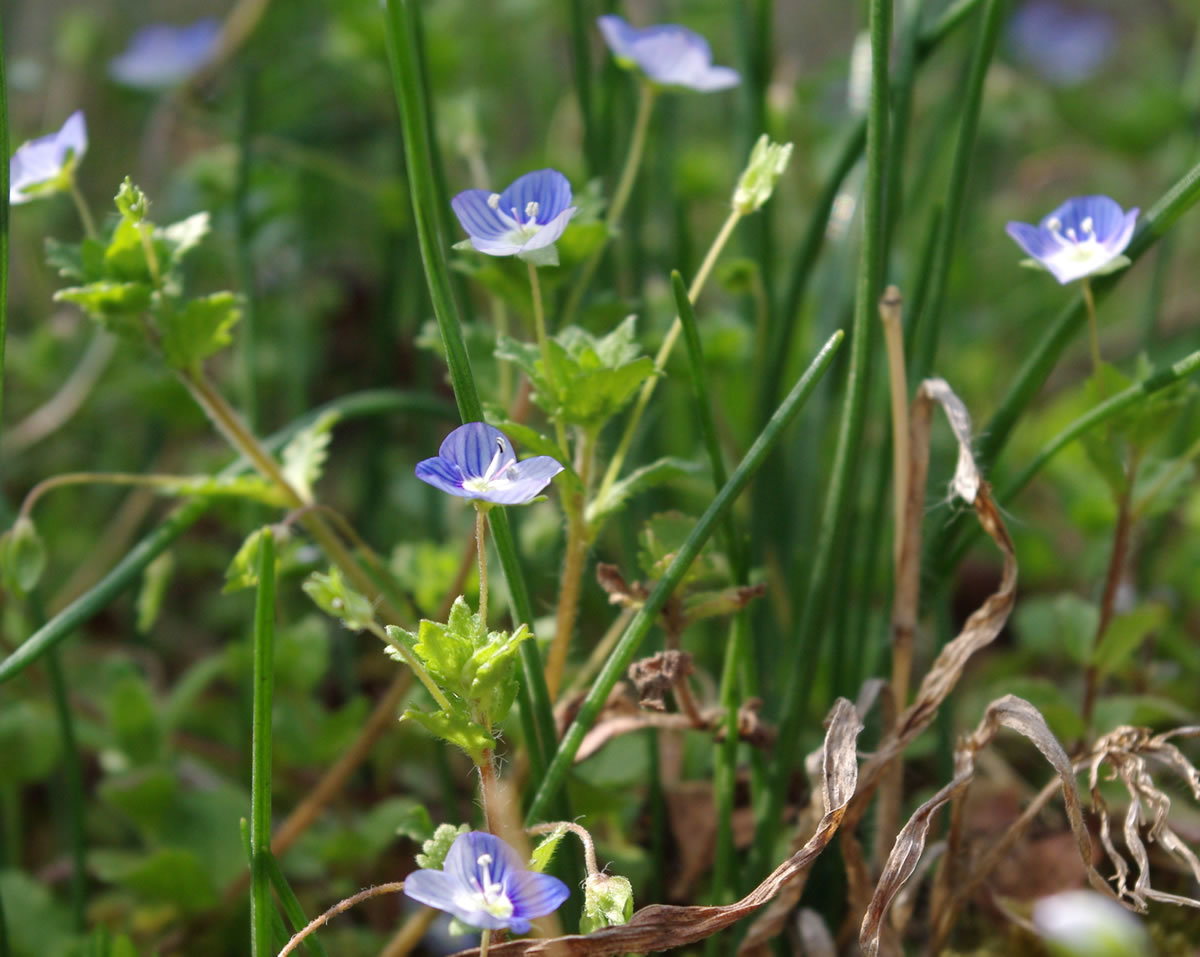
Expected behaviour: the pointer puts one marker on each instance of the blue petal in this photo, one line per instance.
(551, 231)
(1105, 214)
(618, 34)
(432, 888)
(717, 78)
(73, 135)
(1118, 241)
(546, 187)
(1039, 243)
(476, 216)
(533, 475)
(472, 446)
(442, 474)
(462, 860)
(160, 55)
(535, 895)
(496, 247)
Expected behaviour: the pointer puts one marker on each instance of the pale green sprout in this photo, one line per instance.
(756, 184)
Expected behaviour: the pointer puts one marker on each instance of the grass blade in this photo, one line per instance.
(291, 904)
(642, 622)
(260, 777)
(129, 568)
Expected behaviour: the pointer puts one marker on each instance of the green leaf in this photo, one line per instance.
(398, 816)
(491, 672)
(145, 796)
(243, 569)
(154, 589)
(433, 852)
(664, 470)
(35, 923)
(427, 570)
(22, 557)
(117, 305)
(607, 902)
(198, 330)
(252, 487)
(125, 255)
(169, 875)
(445, 649)
(66, 259)
(1064, 625)
(333, 596)
(304, 457)
(1125, 634)
(543, 853)
(457, 729)
(662, 538)
(133, 718)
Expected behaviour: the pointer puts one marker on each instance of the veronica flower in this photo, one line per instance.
(669, 55)
(485, 883)
(524, 220)
(160, 55)
(1065, 45)
(477, 461)
(45, 166)
(1085, 236)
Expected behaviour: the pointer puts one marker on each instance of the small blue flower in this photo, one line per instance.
(1085, 236)
(527, 217)
(485, 883)
(159, 56)
(45, 166)
(477, 461)
(1066, 45)
(669, 55)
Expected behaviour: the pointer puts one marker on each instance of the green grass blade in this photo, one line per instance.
(644, 620)
(260, 776)
(131, 566)
(581, 68)
(291, 905)
(838, 503)
(956, 192)
(536, 715)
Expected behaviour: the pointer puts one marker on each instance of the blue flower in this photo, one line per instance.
(485, 883)
(669, 55)
(45, 166)
(477, 461)
(1085, 236)
(160, 55)
(1064, 44)
(527, 217)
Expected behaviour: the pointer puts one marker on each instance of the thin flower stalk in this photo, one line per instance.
(481, 552)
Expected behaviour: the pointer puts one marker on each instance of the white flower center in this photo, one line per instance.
(1076, 247)
(489, 895)
(493, 476)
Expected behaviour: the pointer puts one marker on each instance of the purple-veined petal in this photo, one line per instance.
(472, 446)
(476, 216)
(443, 475)
(546, 187)
(495, 247)
(551, 231)
(672, 54)
(432, 888)
(524, 482)
(1039, 243)
(462, 860)
(618, 34)
(1117, 243)
(535, 895)
(1105, 214)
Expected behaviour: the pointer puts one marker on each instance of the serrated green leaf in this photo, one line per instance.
(199, 329)
(457, 729)
(1125, 634)
(433, 852)
(150, 597)
(251, 487)
(125, 254)
(491, 672)
(243, 568)
(648, 476)
(445, 649)
(304, 456)
(333, 596)
(66, 259)
(544, 852)
(607, 902)
(22, 557)
(118, 305)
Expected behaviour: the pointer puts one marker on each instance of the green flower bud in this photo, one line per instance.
(607, 901)
(132, 202)
(767, 162)
(22, 557)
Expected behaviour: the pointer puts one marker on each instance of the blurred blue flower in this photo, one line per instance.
(45, 166)
(477, 461)
(485, 883)
(160, 55)
(669, 55)
(1085, 236)
(528, 216)
(1066, 45)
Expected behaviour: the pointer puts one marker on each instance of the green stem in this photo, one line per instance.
(260, 775)
(1093, 334)
(633, 161)
(128, 570)
(539, 326)
(481, 552)
(85, 212)
(574, 560)
(613, 472)
(94, 478)
(617, 664)
(484, 940)
(838, 505)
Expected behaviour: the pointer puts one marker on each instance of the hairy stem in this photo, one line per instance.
(395, 887)
(481, 551)
(589, 847)
(574, 561)
(1090, 301)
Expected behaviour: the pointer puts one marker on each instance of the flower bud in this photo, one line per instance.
(607, 901)
(767, 162)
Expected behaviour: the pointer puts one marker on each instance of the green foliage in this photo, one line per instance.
(660, 541)
(433, 852)
(22, 557)
(169, 875)
(660, 472)
(544, 852)
(304, 457)
(607, 902)
(591, 379)
(201, 328)
(333, 596)
(1060, 627)
(1125, 634)
(155, 580)
(131, 202)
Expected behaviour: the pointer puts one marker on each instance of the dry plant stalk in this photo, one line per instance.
(1009, 712)
(663, 926)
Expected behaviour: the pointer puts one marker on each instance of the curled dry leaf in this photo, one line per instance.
(1010, 712)
(663, 927)
(655, 676)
